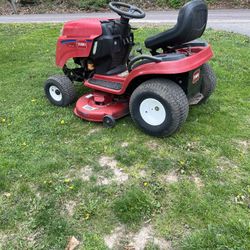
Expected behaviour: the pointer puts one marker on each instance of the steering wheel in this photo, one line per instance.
(126, 11)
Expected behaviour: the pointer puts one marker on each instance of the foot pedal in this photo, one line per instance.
(196, 99)
(106, 84)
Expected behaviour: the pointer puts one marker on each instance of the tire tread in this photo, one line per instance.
(174, 95)
(66, 86)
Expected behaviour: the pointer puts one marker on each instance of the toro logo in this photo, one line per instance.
(196, 76)
(74, 43)
(81, 44)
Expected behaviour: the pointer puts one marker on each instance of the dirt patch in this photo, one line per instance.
(3, 240)
(72, 243)
(120, 238)
(85, 173)
(118, 174)
(106, 161)
(101, 180)
(94, 131)
(141, 238)
(152, 145)
(197, 181)
(244, 145)
(171, 177)
(70, 207)
(113, 240)
(142, 173)
(226, 164)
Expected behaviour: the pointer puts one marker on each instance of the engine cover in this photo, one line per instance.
(77, 39)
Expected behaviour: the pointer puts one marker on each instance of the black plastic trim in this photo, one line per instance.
(106, 84)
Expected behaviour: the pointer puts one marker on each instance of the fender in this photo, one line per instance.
(201, 55)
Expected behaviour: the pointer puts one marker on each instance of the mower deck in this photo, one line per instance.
(96, 105)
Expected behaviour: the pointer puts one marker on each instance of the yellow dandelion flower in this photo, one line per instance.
(87, 216)
(67, 180)
(182, 163)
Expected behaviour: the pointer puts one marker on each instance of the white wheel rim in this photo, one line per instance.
(55, 93)
(152, 112)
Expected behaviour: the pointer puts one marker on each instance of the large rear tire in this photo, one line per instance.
(159, 107)
(60, 90)
(208, 82)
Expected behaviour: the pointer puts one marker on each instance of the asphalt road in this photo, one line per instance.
(231, 20)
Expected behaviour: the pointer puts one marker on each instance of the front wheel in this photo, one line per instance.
(60, 90)
(159, 107)
(108, 121)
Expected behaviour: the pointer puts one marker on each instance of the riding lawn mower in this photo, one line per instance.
(155, 88)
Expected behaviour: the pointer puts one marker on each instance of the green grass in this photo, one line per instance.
(133, 206)
(42, 158)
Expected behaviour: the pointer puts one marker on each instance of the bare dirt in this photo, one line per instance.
(119, 176)
(171, 177)
(120, 238)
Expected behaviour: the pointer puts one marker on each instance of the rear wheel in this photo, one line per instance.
(208, 82)
(159, 107)
(60, 90)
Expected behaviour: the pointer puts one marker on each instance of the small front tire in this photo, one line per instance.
(108, 121)
(60, 90)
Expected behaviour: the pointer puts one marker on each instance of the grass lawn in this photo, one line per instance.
(61, 176)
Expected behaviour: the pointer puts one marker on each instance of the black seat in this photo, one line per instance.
(191, 24)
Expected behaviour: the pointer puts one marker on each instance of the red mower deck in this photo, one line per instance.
(95, 106)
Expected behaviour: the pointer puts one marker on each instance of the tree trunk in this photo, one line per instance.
(13, 5)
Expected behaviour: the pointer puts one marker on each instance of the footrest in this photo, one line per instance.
(106, 84)
(196, 99)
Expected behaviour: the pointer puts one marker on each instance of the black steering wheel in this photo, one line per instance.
(126, 11)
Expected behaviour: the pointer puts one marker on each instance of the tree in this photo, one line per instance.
(13, 5)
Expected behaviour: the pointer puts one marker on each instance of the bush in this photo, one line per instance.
(92, 5)
(177, 3)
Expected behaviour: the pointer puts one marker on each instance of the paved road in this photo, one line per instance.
(230, 20)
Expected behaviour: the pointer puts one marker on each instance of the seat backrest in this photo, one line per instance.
(191, 24)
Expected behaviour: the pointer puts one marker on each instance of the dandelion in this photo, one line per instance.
(182, 163)
(62, 122)
(145, 184)
(67, 180)
(86, 217)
